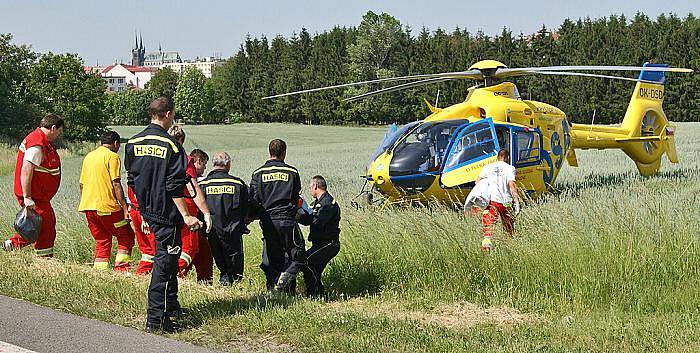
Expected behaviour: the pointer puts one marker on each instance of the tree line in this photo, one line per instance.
(380, 46)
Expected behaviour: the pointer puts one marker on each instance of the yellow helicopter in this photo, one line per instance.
(440, 157)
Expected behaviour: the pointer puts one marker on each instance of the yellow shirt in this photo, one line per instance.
(100, 168)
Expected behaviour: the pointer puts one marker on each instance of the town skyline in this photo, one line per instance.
(196, 31)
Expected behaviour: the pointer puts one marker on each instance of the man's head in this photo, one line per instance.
(162, 111)
(178, 133)
(278, 149)
(317, 186)
(200, 159)
(52, 125)
(222, 161)
(504, 156)
(111, 140)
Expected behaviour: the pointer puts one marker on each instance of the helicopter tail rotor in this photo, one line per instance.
(645, 134)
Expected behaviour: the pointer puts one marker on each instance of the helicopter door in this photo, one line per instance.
(474, 146)
(526, 157)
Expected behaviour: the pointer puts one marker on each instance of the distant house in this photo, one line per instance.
(205, 65)
(121, 77)
(159, 58)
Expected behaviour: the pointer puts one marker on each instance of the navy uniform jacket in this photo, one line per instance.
(274, 191)
(227, 198)
(155, 165)
(324, 221)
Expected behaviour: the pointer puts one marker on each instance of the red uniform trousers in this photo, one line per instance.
(196, 252)
(491, 214)
(203, 261)
(103, 225)
(43, 247)
(192, 244)
(146, 242)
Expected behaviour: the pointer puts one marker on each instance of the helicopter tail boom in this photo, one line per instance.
(645, 133)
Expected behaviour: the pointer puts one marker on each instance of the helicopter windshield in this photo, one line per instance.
(424, 148)
(391, 137)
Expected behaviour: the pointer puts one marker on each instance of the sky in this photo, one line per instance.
(103, 31)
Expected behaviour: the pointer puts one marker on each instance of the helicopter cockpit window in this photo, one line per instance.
(424, 148)
(391, 139)
(474, 142)
(527, 147)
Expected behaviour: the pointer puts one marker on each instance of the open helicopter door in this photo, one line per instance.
(473, 147)
(528, 158)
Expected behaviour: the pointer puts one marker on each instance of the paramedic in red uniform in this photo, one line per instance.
(503, 196)
(194, 242)
(37, 177)
(144, 237)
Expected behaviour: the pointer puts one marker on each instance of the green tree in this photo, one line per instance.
(128, 108)
(59, 84)
(369, 56)
(16, 112)
(163, 83)
(190, 97)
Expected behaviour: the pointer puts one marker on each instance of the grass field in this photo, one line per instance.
(610, 262)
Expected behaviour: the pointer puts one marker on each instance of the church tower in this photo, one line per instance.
(138, 54)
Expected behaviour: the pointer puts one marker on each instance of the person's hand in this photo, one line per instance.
(145, 228)
(516, 208)
(192, 223)
(207, 221)
(127, 217)
(29, 203)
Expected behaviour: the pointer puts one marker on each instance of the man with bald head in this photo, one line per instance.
(227, 198)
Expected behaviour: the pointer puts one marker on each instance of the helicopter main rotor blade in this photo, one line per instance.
(472, 74)
(560, 73)
(525, 70)
(399, 87)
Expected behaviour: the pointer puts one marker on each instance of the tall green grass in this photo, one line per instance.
(609, 262)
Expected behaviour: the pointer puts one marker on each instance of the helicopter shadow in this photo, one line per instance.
(596, 181)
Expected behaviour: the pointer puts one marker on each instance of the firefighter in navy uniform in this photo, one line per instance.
(155, 165)
(324, 234)
(274, 195)
(227, 198)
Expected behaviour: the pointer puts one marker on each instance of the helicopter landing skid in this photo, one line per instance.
(366, 197)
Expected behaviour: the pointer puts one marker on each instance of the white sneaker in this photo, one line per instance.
(7, 245)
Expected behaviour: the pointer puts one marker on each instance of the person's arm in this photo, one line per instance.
(33, 157)
(200, 201)
(253, 203)
(119, 195)
(114, 167)
(175, 181)
(514, 191)
(320, 218)
(26, 176)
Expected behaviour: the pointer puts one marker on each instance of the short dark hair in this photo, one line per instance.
(160, 106)
(50, 120)
(320, 182)
(199, 155)
(504, 154)
(109, 137)
(277, 148)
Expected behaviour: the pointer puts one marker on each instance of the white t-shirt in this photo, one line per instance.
(34, 155)
(498, 175)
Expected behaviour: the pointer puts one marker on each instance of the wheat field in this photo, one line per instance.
(608, 262)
